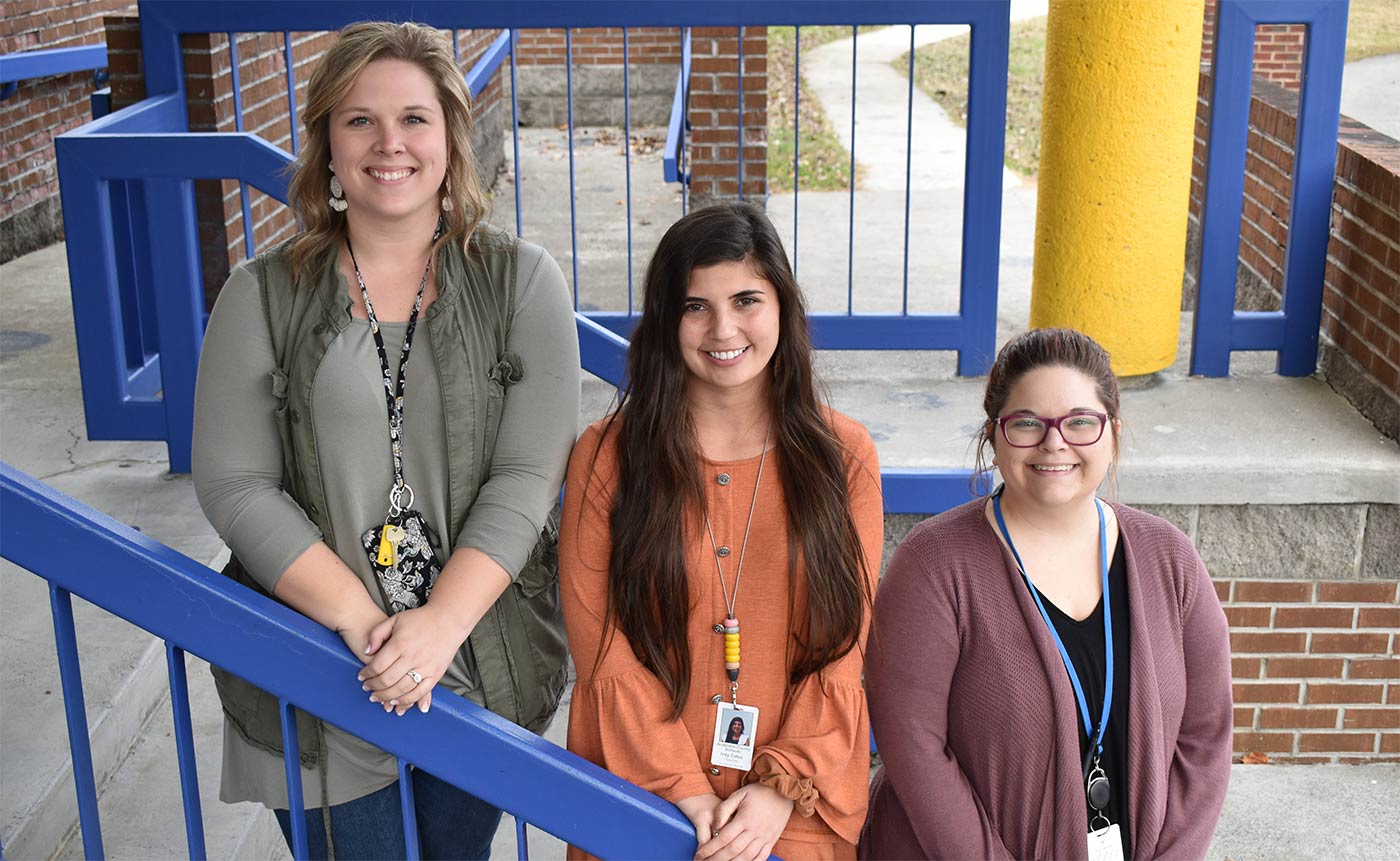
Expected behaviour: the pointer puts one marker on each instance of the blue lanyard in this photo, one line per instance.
(1059, 644)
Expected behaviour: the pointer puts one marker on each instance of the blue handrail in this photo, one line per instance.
(46, 62)
(86, 553)
(485, 67)
(672, 157)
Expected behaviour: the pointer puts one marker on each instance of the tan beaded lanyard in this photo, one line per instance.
(731, 622)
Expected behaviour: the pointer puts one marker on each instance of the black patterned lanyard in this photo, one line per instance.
(394, 389)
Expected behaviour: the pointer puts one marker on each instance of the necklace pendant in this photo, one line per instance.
(731, 648)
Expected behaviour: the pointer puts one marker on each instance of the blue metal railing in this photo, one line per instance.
(673, 154)
(83, 552)
(972, 331)
(47, 62)
(1293, 331)
(127, 179)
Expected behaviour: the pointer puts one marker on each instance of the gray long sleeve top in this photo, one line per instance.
(238, 467)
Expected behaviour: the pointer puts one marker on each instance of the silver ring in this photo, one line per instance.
(413, 674)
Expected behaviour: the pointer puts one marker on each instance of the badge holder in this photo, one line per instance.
(1105, 842)
(736, 727)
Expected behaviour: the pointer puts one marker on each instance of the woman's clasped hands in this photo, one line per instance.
(743, 827)
(407, 655)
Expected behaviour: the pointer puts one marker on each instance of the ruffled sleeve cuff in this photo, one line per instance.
(798, 790)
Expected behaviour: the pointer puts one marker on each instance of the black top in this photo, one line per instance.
(1084, 642)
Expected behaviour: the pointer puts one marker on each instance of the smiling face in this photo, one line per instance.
(1053, 473)
(736, 729)
(729, 328)
(388, 142)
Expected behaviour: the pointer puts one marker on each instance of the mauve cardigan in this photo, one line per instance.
(977, 723)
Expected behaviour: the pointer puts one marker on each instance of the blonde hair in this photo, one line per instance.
(322, 228)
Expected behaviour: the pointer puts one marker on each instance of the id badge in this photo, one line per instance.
(736, 726)
(1106, 844)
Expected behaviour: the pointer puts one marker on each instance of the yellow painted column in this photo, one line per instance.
(1115, 173)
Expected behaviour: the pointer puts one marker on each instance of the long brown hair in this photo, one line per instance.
(659, 480)
(322, 228)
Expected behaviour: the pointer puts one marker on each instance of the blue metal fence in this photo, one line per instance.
(82, 552)
(1293, 331)
(132, 239)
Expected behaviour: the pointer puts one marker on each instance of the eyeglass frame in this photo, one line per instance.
(1053, 423)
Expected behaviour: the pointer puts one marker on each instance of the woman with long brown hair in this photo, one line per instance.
(720, 543)
(403, 504)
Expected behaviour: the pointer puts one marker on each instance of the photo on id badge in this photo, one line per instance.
(735, 727)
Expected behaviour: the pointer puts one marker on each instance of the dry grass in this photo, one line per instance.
(824, 164)
(1373, 28)
(940, 71)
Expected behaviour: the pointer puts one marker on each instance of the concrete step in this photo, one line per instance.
(141, 810)
(123, 667)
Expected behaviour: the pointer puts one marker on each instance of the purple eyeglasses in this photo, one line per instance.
(1023, 430)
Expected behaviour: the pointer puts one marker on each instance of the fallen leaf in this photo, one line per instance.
(1254, 757)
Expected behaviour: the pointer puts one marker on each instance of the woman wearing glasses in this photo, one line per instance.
(1048, 674)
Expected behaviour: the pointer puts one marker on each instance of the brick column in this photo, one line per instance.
(40, 110)
(714, 114)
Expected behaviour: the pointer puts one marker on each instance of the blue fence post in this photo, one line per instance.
(851, 178)
(986, 145)
(409, 812)
(1314, 175)
(796, 134)
(184, 750)
(291, 763)
(75, 711)
(573, 183)
(1231, 68)
(179, 300)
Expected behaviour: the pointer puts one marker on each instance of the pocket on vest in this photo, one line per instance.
(541, 628)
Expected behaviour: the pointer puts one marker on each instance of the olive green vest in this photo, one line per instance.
(519, 644)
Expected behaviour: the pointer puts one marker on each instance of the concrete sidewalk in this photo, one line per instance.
(1371, 93)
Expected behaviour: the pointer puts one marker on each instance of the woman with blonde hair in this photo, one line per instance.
(404, 504)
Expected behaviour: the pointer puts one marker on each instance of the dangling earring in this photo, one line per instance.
(337, 201)
(447, 195)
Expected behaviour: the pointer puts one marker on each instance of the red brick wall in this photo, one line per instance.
(1317, 676)
(1361, 303)
(598, 46)
(40, 110)
(1278, 49)
(714, 93)
(714, 112)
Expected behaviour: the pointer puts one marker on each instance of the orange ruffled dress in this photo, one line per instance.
(815, 735)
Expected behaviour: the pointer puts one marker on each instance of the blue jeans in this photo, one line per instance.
(452, 824)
